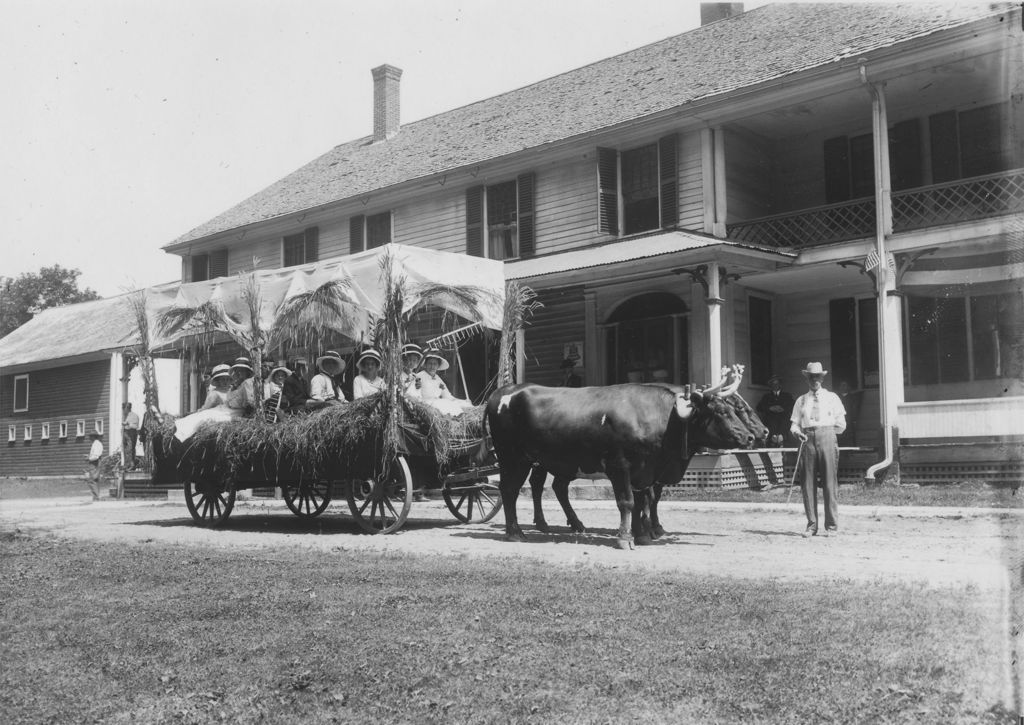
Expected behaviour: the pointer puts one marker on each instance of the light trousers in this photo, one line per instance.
(820, 459)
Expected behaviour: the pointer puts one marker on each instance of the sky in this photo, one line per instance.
(126, 124)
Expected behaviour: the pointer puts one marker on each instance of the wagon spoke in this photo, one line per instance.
(209, 504)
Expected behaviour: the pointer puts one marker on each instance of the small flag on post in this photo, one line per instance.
(871, 261)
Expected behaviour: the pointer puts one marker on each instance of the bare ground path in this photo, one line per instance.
(934, 546)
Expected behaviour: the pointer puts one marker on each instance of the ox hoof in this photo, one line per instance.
(643, 540)
(516, 538)
(658, 531)
(543, 527)
(626, 544)
(577, 527)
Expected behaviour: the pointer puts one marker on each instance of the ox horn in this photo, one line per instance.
(731, 378)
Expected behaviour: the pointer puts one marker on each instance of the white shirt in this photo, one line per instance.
(96, 452)
(321, 387)
(432, 387)
(825, 410)
(131, 420)
(363, 386)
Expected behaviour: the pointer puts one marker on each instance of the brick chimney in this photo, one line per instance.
(713, 12)
(385, 101)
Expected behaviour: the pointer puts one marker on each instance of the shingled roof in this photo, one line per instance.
(740, 52)
(70, 331)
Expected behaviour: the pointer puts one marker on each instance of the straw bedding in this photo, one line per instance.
(339, 442)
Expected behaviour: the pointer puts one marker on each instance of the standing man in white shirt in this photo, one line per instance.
(130, 437)
(93, 472)
(818, 417)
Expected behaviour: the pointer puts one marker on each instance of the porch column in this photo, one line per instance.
(714, 302)
(520, 356)
(890, 343)
(193, 378)
(591, 367)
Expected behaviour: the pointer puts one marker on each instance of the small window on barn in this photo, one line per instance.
(80, 429)
(12, 433)
(98, 427)
(20, 393)
(27, 434)
(62, 430)
(44, 432)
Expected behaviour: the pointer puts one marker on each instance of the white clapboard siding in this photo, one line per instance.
(560, 321)
(979, 417)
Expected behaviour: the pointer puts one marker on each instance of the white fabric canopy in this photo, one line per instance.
(364, 293)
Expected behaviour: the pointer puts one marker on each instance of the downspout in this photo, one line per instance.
(883, 227)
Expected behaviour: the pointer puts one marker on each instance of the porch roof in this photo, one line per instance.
(637, 248)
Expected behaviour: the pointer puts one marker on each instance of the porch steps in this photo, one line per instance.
(139, 484)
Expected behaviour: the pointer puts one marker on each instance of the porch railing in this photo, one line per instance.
(979, 197)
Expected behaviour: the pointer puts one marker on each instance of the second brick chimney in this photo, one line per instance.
(713, 12)
(385, 101)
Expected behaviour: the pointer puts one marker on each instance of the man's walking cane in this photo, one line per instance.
(796, 471)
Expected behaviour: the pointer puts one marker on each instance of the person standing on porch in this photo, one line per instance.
(818, 418)
(130, 437)
(774, 408)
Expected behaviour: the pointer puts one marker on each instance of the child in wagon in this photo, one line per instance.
(432, 388)
(412, 356)
(368, 381)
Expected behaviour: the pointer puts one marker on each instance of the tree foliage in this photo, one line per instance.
(30, 293)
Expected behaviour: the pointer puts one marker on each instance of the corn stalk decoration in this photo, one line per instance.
(143, 352)
(520, 304)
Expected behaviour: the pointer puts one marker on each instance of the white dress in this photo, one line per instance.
(363, 386)
(434, 392)
(218, 408)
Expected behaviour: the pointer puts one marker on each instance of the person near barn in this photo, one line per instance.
(130, 436)
(93, 471)
(818, 419)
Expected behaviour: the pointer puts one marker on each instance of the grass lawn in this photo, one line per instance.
(148, 633)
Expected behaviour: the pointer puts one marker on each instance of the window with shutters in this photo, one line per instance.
(301, 248)
(972, 143)
(637, 188)
(209, 266)
(20, 393)
(853, 332)
(500, 219)
(369, 231)
(850, 163)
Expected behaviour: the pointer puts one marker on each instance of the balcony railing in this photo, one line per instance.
(964, 200)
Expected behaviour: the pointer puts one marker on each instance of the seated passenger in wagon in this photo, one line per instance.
(433, 391)
(323, 388)
(368, 381)
(221, 405)
(412, 356)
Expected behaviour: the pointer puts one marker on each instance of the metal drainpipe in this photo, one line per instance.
(881, 158)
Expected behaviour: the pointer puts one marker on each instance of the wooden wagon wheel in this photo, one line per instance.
(475, 501)
(209, 503)
(381, 506)
(307, 498)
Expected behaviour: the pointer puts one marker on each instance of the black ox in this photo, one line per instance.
(640, 436)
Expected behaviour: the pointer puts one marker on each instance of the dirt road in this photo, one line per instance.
(935, 546)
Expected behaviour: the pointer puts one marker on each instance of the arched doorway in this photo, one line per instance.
(646, 340)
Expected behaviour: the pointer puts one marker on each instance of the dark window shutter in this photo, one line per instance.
(526, 189)
(312, 245)
(475, 221)
(200, 268)
(842, 322)
(862, 166)
(667, 176)
(905, 155)
(608, 190)
(945, 147)
(355, 234)
(219, 263)
(837, 170)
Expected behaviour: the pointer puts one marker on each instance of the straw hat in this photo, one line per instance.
(242, 363)
(412, 348)
(436, 355)
(813, 368)
(281, 367)
(331, 363)
(368, 354)
(775, 377)
(221, 371)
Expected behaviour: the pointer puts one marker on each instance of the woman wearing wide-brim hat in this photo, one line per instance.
(224, 402)
(412, 356)
(433, 390)
(368, 381)
(323, 387)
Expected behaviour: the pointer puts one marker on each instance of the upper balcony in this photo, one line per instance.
(980, 197)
